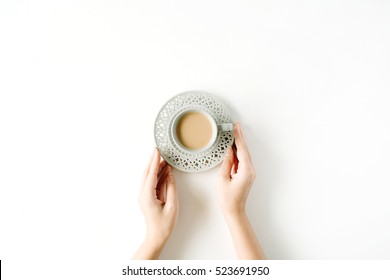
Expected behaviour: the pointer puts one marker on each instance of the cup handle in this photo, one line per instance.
(225, 127)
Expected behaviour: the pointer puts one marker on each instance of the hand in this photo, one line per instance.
(236, 176)
(159, 203)
(235, 181)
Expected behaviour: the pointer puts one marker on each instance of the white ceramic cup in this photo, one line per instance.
(216, 128)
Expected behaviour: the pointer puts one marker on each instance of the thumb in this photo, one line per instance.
(227, 164)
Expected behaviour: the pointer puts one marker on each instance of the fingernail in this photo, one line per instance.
(171, 178)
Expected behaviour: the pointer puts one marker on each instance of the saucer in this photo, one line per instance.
(179, 158)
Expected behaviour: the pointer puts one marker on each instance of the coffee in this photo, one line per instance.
(194, 130)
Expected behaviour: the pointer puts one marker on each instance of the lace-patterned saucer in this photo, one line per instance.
(192, 161)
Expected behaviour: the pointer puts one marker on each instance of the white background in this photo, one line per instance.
(81, 83)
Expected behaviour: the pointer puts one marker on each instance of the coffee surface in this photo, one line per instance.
(194, 130)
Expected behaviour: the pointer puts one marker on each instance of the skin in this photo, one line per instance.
(160, 205)
(235, 180)
(236, 177)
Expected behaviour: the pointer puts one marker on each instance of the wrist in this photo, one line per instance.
(233, 210)
(236, 220)
(153, 246)
(156, 239)
(237, 213)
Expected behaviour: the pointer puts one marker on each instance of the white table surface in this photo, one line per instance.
(81, 83)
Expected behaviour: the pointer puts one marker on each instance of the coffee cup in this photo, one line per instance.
(195, 130)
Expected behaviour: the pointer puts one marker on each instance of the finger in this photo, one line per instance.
(146, 172)
(161, 185)
(160, 192)
(151, 178)
(166, 170)
(154, 167)
(226, 168)
(242, 148)
(162, 168)
(235, 164)
(161, 165)
(172, 197)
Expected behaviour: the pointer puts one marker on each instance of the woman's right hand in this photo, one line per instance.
(236, 176)
(235, 181)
